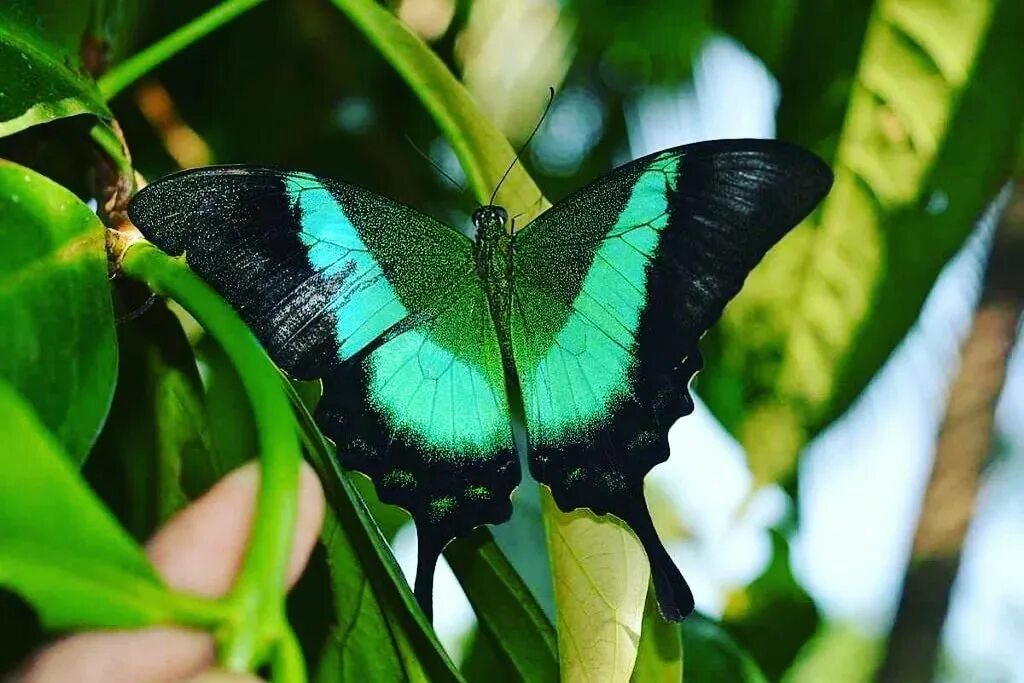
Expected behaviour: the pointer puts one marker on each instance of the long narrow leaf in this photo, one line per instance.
(928, 138)
(506, 609)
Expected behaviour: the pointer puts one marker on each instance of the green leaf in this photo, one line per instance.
(599, 601)
(233, 441)
(819, 317)
(600, 575)
(60, 548)
(57, 342)
(710, 656)
(639, 44)
(659, 658)
(44, 78)
(157, 428)
(754, 613)
(506, 609)
(484, 660)
(837, 652)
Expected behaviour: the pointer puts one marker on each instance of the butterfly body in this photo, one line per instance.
(493, 253)
(583, 325)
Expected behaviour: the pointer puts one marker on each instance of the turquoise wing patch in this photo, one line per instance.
(575, 358)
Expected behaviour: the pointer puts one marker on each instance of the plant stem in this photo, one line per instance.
(964, 443)
(107, 140)
(257, 598)
(289, 663)
(141, 63)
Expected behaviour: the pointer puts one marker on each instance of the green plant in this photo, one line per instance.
(895, 104)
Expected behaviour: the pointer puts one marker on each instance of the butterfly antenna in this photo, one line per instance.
(437, 166)
(522, 148)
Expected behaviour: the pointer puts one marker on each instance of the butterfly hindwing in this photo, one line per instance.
(381, 303)
(613, 287)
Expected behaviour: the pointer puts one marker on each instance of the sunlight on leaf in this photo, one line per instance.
(43, 75)
(600, 576)
(818, 319)
(57, 343)
(837, 651)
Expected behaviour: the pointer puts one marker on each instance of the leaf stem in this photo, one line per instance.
(141, 63)
(107, 140)
(289, 663)
(257, 598)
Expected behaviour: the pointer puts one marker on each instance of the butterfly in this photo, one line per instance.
(582, 327)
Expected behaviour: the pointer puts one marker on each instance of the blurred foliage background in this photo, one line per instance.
(846, 499)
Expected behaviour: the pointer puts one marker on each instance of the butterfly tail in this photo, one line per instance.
(675, 600)
(429, 549)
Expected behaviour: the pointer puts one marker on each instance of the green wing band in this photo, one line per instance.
(571, 383)
(365, 305)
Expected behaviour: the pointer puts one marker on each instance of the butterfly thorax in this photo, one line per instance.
(493, 254)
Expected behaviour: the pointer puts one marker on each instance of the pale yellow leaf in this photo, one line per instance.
(600, 575)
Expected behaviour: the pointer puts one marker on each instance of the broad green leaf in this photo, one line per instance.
(659, 658)
(603, 592)
(43, 75)
(711, 656)
(157, 428)
(60, 548)
(753, 614)
(600, 588)
(816, 321)
(57, 342)
(505, 608)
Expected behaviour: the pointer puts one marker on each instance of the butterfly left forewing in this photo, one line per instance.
(613, 288)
